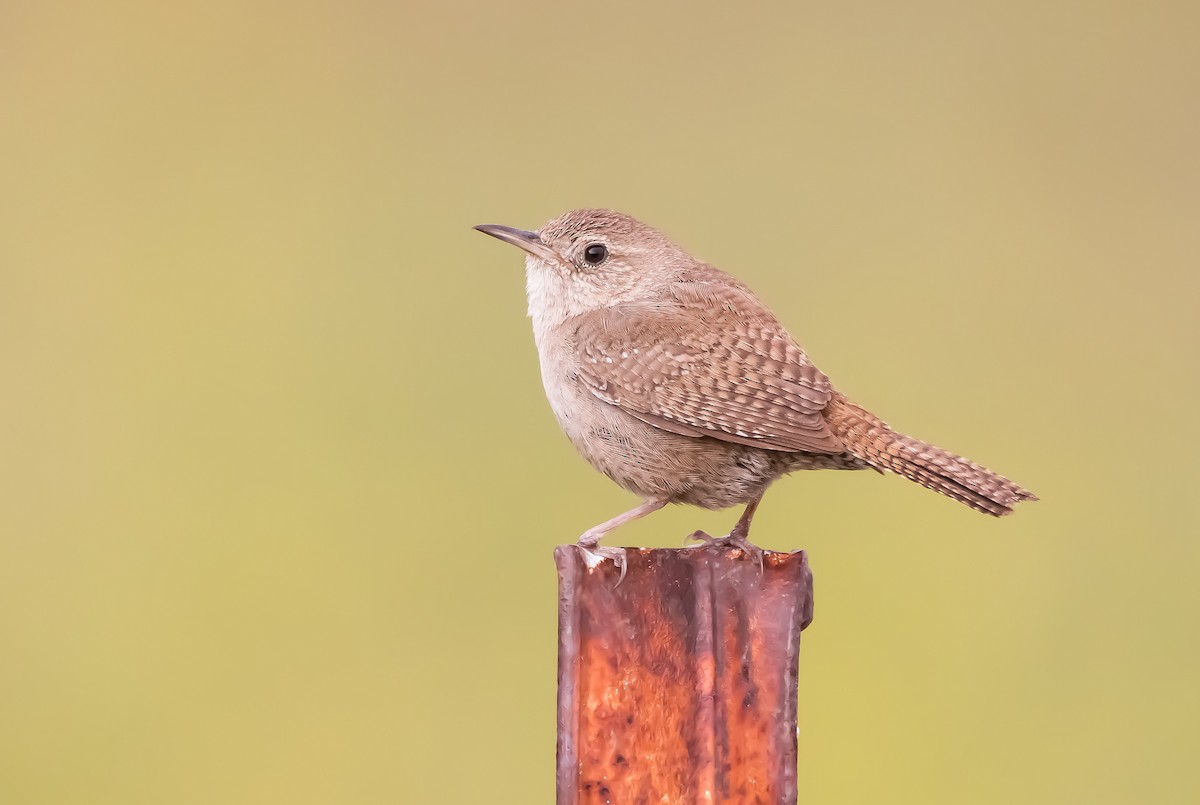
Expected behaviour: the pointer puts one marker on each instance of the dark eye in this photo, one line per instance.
(595, 253)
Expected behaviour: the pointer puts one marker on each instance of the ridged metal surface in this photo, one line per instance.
(679, 685)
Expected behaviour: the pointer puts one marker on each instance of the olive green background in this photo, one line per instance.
(278, 484)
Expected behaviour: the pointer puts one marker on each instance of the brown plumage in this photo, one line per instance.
(677, 382)
(869, 438)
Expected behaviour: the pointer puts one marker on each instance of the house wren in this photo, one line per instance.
(675, 381)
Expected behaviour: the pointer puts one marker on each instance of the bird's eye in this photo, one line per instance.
(595, 253)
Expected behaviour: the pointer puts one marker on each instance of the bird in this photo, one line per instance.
(672, 378)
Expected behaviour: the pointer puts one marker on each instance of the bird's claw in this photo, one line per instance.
(593, 555)
(728, 541)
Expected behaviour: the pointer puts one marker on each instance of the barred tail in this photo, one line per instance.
(868, 438)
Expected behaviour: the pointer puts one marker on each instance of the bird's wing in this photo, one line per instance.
(708, 373)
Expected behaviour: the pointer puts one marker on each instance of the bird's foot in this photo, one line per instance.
(594, 554)
(731, 540)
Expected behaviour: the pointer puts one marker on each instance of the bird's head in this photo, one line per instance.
(586, 260)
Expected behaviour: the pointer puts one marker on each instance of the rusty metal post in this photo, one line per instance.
(678, 686)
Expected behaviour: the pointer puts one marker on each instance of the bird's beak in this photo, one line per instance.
(522, 239)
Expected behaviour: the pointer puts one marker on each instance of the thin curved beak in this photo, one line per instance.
(521, 238)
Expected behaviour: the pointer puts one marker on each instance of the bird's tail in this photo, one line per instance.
(868, 438)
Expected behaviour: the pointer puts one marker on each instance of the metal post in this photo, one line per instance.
(678, 686)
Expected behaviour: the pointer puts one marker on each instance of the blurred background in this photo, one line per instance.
(279, 486)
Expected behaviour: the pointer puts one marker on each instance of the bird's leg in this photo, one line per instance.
(739, 536)
(593, 554)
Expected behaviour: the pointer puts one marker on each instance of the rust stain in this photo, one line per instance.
(679, 685)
